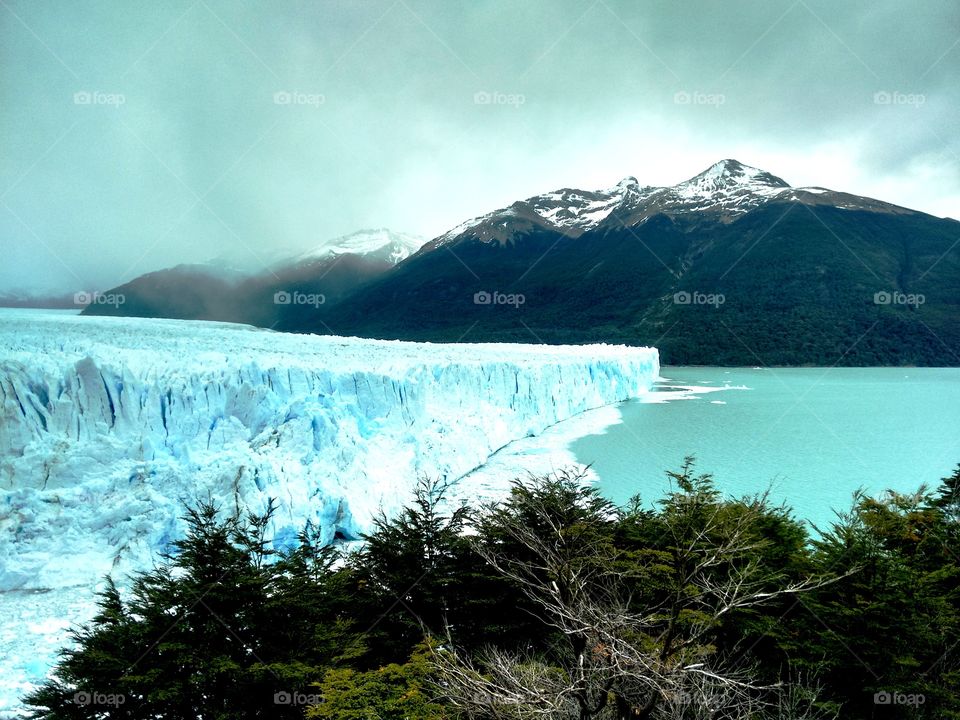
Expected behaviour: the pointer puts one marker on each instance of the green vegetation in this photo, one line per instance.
(552, 603)
(799, 287)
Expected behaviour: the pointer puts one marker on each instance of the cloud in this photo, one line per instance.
(211, 125)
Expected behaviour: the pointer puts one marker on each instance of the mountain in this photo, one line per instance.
(722, 193)
(380, 244)
(733, 266)
(293, 287)
(37, 299)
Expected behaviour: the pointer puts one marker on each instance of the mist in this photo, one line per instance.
(138, 136)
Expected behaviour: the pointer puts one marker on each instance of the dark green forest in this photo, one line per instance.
(552, 603)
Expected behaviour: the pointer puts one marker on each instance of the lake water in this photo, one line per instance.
(812, 435)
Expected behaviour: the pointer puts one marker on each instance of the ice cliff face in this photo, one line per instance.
(107, 425)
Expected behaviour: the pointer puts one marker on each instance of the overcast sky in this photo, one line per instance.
(138, 135)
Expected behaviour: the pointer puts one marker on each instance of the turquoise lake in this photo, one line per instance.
(811, 435)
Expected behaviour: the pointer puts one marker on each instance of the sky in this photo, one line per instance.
(140, 135)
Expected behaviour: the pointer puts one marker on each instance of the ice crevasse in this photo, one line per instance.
(108, 426)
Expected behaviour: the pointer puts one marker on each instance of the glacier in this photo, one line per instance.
(109, 426)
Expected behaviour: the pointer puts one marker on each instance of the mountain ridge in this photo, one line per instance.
(802, 273)
(727, 188)
(213, 291)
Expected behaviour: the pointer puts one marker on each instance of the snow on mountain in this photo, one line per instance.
(570, 211)
(729, 185)
(382, 243)
(580, 209)
(722, 192)
(730, 176)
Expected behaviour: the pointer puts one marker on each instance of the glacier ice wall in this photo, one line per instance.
(109, 425)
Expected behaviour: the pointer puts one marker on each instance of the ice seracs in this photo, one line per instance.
(107, 425)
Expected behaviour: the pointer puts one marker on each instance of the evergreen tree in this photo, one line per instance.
(890, 624)
(635, 628)
(412, 574)
(551, 601)
(198, 636)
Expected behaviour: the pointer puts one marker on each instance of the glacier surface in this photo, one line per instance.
(109, 425)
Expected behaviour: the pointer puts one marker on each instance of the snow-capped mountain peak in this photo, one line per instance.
(382, 243)
(569, 210)
(727, 188)
(721, 193)
(379, 243)
(577, 209)
(727, 175)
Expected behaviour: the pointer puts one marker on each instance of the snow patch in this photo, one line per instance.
(728, 187)
(391, 245)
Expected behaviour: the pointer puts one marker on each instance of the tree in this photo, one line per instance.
(206, 634)
(891, 624)
(947, 501)
(616, 658)
(411, 573)
(390, 692)
(698, 607)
